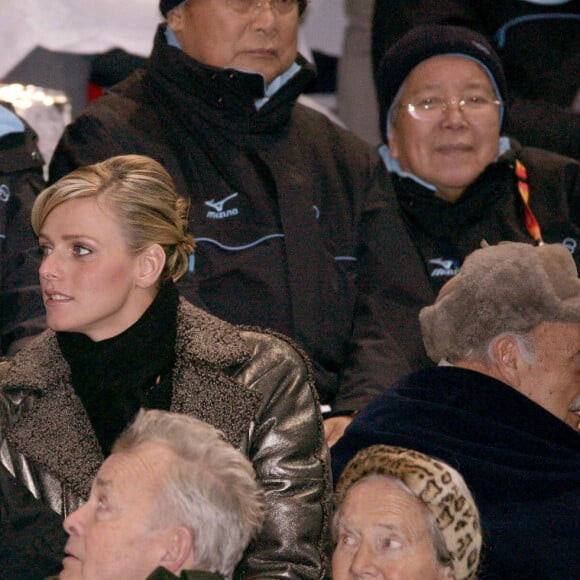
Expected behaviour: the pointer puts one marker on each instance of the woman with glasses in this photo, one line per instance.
(114, 239)
(455, 182)
(534, 40)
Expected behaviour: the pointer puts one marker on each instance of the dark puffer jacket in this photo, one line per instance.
(255, 387)
(521, 463)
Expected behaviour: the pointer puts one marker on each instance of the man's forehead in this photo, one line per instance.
(143, 461)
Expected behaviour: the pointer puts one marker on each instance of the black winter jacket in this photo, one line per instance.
(407, 228)
(276, 195)
(254, 387)
(21, 308)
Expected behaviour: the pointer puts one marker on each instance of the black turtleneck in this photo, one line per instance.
(115, 377)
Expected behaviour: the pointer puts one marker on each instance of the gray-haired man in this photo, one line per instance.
(173, 498)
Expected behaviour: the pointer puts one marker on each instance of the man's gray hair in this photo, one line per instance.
(212, 492)
(526, 345)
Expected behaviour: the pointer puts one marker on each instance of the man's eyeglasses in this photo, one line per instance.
(248, 6)
(432, 107)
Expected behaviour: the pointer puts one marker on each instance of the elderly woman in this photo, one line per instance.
(533, 40)
(113, 238)
(455, 181)
(403, 514)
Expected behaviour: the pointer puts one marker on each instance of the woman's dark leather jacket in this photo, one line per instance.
(255, 387)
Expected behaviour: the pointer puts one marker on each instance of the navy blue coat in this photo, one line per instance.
(521, 463)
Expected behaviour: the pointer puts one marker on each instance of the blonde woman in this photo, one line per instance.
(113, 238)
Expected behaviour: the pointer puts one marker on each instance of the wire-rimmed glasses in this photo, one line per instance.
(432, 107)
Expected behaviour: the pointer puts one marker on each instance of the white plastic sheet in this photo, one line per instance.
(75, 26)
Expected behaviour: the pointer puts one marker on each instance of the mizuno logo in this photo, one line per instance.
(445, 267)
(218, 206)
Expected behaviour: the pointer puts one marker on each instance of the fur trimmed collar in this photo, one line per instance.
(53, 430)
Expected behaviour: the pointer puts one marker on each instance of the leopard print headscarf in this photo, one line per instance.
(440, 487)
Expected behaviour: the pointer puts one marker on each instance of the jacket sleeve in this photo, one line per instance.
(31, 534)
(392, 287)
(287, 448)
(21, 307)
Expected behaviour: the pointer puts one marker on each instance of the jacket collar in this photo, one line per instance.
(208, 350)
(224, 97)
(53, 430)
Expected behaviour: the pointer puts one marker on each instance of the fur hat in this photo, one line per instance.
(424, 42)
(440, 487)
(511, 287)
(166, 5)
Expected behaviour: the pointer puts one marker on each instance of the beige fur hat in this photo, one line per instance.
(440, 487)
(511, 287)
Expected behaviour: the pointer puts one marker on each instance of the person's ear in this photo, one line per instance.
(393, 143)
(508, 359)
(179, 554)
(175, 18)
(151, 263)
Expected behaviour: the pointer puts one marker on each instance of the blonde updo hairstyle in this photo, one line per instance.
(141, 195)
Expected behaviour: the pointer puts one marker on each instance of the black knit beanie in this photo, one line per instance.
(423, 42)
(166, 5)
